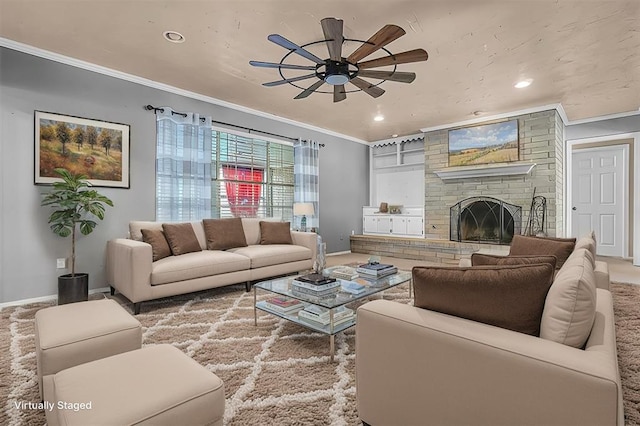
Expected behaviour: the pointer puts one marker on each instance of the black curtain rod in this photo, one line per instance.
(154, 109)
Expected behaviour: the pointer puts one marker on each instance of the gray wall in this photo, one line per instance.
(606, 127)
(28, 248)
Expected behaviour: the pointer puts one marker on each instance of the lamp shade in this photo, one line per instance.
(303, 209)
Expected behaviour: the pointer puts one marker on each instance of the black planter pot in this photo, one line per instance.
(73, 288)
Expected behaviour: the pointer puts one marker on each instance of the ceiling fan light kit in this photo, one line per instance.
(337, 70)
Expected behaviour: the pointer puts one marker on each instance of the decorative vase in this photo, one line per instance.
(73, 288)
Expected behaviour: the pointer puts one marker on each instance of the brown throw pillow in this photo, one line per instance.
(159, 246)
(275, 233)
(507, 296)
(181, 238)
(481, 259)
(561, 248)
(224, 234)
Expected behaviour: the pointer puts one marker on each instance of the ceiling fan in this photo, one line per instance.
(338, 70)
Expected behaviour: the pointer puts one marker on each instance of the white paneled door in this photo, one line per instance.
(599, 197)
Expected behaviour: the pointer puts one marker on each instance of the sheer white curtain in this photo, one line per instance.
(183, 166)
(306, 174)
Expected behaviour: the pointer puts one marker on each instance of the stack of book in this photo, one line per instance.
(283, 304)
(314, 285)
(321, 316)
(376, 270)
(343, 272)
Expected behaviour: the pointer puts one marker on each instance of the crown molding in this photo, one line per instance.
(77, 63)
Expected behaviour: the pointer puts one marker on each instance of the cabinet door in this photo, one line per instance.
(399, 225)
(384, 225)
(415, 226)
(369, 224)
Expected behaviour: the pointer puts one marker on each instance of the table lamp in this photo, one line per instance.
(304, 210)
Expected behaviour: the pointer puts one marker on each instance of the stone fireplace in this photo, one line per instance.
(541, 144)
(484, 220)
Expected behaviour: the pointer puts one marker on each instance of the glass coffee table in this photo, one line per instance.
(335, 304)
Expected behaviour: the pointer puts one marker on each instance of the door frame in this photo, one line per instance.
(630, 162)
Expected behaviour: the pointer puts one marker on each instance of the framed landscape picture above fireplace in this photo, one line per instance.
(484, 144)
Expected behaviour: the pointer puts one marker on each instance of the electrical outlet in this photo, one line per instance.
(61, 263)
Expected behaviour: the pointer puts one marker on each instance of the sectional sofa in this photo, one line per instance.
(136, 270)
(456, 359)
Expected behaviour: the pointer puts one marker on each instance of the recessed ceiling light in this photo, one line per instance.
(478, 113)
(395, 135)
(378, 117)
(173, 36)
(523, 83)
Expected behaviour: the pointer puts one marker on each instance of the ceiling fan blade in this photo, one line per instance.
(288, 80)
(332, 29)
(309, 90)
(281, 41)
(384, 36)
(415, 55)
(285, 66)
(367, 87)
(402, 77)
(338, 93)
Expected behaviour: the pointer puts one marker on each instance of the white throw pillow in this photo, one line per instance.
(570, 306)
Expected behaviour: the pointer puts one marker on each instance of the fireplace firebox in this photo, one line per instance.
(485, 220)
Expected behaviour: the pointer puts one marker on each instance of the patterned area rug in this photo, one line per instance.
(275, 373)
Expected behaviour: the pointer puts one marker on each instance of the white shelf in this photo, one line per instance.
(468, 172)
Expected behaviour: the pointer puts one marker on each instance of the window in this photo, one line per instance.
(202, 172)
(251, 177)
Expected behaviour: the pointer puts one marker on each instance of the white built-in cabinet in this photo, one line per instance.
(409, 223)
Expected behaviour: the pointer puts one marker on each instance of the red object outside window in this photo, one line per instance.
(244, 198)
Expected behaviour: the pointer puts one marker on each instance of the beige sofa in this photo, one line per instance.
(416, 366)
(132, 271)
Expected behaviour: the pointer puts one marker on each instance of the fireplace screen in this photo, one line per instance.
(485, 220)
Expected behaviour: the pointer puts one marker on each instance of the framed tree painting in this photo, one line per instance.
(97, 149)
(484, 144)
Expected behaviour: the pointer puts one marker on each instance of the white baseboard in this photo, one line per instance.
(46, 298)
(338, 253)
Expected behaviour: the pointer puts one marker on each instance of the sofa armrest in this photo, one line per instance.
(602, 274)
(306, 239)
(129, 267)
(414, 365)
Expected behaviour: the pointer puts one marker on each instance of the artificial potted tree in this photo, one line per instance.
(76, 205)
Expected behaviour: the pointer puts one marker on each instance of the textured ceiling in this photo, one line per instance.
(582, 54)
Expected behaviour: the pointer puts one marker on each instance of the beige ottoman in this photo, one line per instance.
(72, 334)
(156, 385)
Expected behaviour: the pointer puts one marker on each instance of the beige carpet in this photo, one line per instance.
(276, 373)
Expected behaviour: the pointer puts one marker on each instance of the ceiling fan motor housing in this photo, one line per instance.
(336, 73)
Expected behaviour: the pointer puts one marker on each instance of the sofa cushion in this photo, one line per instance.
(507, 296)
(561, 248)
(588, 242)
(275, 233)
(273, 254)
(224, 234)
(181, 238)
(251, 226)
(159, 245)
(197, 265)
(136, 227)
(480, 259)
(570, 307)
